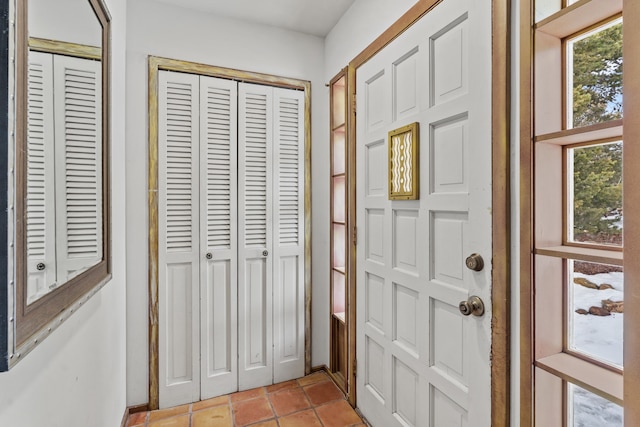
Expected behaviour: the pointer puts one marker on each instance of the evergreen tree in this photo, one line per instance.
(597, 77)
(597, 97)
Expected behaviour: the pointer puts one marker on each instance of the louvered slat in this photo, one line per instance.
(179, 173)
(40, 203)
(217, 144)
(289, 173)
(255, 170)
(82, 172)
(36, 209)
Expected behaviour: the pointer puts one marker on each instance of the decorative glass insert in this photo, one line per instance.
(596, 311)
(594, 175)
(587, 409)
(403, 163)
(594, 76)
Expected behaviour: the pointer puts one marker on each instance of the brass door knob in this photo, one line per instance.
(473, 305)
(474, 262)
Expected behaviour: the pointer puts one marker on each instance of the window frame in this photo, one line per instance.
(31, 323)
(540, 131)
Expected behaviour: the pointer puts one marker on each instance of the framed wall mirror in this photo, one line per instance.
(62, 215)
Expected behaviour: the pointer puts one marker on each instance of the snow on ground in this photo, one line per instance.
(590, 410)
(601, 337)
(596, 335)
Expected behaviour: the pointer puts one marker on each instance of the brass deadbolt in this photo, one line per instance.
(474, 262)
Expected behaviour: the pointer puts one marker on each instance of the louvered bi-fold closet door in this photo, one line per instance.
(218, 219)
(64, 153)
(178, 238)
(271, 235)
(78, 153)
(288, 240)
(231, 236)
(255, 284)
(40, 178)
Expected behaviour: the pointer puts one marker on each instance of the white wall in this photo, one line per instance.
(76, 377)
(359, 26)
(72, 21)
(163, 30)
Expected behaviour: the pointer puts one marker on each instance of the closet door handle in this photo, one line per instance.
(209, 255)
(265, 253)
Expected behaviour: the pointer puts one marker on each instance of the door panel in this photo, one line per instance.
(421, 362)
(288, 239)
(218, 239)
(178, 237)
(179, 325)
(40, 200)
(78, 130)
(255, 285)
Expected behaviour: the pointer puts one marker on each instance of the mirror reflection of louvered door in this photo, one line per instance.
(64, 183)
(231, 230)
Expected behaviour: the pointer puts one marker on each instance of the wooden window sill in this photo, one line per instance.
(597, 132)
(598, 380)
(600, 256)
(340, 317)
(581, 14)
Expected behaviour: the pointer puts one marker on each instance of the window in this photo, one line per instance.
(578, 279)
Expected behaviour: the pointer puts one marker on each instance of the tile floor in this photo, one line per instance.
(311, 401)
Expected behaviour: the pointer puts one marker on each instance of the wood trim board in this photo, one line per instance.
(631, 171)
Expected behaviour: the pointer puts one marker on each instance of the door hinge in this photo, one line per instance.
(353, 104)
(355, 235)
(355, 367)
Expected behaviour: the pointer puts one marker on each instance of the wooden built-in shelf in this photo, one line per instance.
(598, 132)
(340, 128)
(579, 253)
(340, 238)
(581, 14)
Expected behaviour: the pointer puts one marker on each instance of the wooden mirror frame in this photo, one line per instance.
(29, 325)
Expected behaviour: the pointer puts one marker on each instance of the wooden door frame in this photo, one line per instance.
(155, 65)
(501, 213)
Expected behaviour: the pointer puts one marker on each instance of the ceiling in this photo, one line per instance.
(315, 17)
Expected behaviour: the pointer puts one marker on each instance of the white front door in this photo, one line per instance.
(231, 236)
(420, 361)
